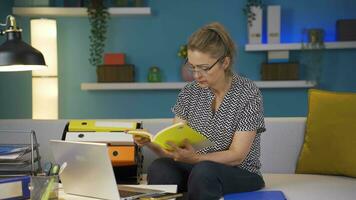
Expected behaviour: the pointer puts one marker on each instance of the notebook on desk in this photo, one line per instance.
(260, 195)
(88, 171)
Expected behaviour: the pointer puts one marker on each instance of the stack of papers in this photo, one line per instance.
(12, 152)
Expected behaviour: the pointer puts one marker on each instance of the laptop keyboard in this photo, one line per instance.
(125, 193)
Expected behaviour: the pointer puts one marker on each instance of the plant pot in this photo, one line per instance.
(186, 75)
(316, 37)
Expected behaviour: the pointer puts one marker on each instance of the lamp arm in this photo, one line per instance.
(6, 21)
(12, 26)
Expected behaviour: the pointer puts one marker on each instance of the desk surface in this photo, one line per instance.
(167, 188)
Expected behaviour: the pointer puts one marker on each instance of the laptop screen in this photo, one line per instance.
(88, 170)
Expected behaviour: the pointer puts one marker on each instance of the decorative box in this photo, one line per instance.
(346, 30)
(114, 59)
(116, 73)
(280, 71)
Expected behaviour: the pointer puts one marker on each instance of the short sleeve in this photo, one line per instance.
(251, 117)
(180, 109)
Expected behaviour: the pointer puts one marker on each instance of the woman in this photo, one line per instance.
(224, 107)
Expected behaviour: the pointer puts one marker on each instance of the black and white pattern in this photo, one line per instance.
(240, 110)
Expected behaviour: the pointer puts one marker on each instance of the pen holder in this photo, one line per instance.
(44, 187)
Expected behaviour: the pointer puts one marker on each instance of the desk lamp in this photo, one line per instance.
(16, 55)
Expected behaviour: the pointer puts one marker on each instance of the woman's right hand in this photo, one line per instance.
(141, 141)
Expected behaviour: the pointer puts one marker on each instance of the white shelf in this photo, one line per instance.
(180, 85)
(76, 12)
(298, 46)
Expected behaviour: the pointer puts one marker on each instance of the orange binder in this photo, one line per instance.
(122, 155)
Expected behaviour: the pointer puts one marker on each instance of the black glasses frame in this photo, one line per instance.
(206, 69)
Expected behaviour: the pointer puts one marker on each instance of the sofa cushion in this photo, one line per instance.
(330, 138)
(312, 187)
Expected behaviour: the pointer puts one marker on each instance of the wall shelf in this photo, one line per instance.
(180, 85)
(297, 46)
(76, 12)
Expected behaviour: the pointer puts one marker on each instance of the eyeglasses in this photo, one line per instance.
(203, 70)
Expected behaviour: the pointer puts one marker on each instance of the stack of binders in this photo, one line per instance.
(126, 157)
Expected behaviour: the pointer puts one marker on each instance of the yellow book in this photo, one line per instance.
(175, 133)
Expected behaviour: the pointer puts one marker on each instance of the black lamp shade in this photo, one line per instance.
(16, 55)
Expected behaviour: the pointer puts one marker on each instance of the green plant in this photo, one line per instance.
(98, 17)
(248, 12)
(183, 51)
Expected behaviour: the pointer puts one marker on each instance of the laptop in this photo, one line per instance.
(86, 170)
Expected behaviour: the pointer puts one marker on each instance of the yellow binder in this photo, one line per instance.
(101, 125)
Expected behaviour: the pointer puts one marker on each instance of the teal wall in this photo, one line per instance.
(154, 40)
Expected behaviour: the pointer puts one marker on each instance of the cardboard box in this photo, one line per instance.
(116, 73)
(114, 59)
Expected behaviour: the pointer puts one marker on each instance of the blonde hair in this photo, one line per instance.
(214, 40)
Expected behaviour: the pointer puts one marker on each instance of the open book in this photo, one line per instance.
(176, 133)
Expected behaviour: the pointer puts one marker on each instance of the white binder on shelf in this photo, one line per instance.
(255, 28)
(274, 24)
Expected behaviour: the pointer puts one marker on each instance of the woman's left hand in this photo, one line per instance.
(185, 153)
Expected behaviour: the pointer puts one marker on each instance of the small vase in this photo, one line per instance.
(186, 75)
(154, 74)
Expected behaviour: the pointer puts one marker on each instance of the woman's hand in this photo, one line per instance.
(186, 153)
(141, 141)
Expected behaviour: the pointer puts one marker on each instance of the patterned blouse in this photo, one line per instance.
(240, 110)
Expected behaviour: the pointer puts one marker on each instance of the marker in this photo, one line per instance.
(52, 179)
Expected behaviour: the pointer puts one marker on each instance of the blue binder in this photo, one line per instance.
(260, 195)
(22, 181)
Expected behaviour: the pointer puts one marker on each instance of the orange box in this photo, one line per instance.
(122, 155)
(114, 59)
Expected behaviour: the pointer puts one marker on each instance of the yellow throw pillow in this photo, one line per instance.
(330, 138)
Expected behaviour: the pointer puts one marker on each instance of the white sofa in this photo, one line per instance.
(281, 144)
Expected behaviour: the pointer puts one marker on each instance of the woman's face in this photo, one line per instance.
(207, 71)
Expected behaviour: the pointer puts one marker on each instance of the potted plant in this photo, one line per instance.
(253, 12)
(98, 17)
(183, 53)
(312, 57)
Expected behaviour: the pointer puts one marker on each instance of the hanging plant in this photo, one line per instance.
(98, 18)
(251, 16)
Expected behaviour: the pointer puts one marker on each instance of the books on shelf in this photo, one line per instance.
(278, 56)
(15, 187)
(175, 133)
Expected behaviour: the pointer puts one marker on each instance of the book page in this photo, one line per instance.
(141, 133)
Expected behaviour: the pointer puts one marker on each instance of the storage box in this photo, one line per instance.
(346, 30)
(114, 59)
(118, 73)
(280, 71)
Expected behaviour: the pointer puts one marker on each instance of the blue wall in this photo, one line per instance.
(154, 40)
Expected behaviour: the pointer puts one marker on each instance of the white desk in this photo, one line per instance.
(167, 188)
